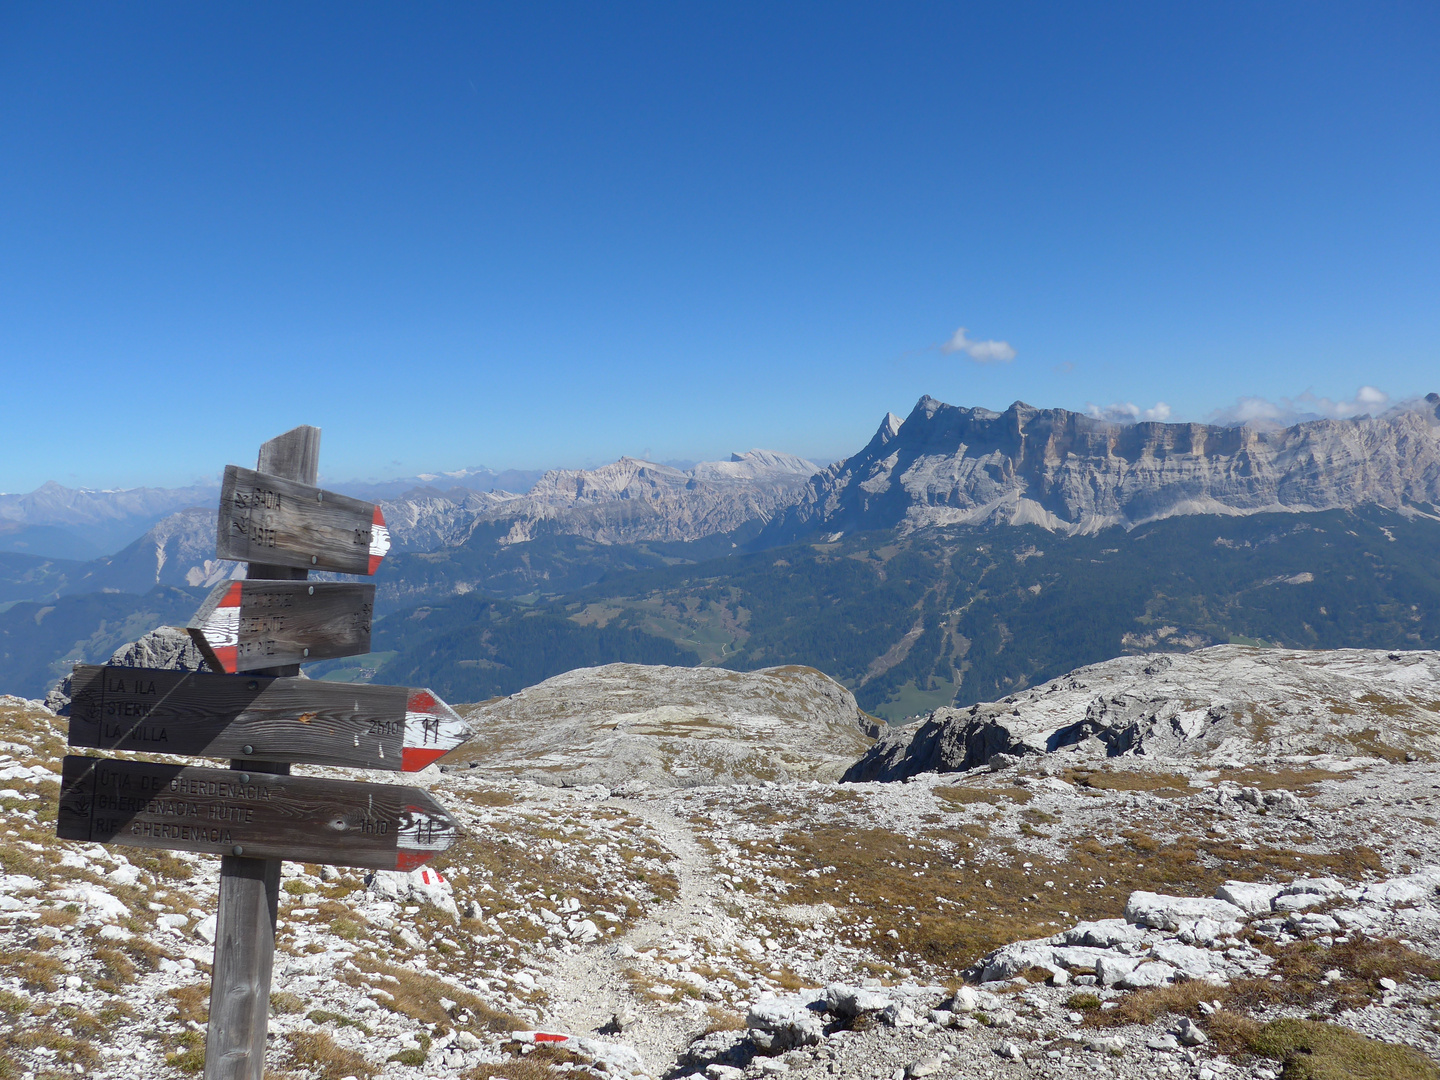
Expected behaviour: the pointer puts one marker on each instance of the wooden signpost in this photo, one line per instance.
(245, 625)
(254, 634)
(266, 719)
(259, 815)
(274, 520)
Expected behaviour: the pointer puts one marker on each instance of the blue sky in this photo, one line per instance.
(551, 234)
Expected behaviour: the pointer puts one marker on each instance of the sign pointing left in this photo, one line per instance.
(250, 625)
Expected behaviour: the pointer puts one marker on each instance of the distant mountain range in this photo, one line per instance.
(628, 501)
(1069, 473)
(960, 554)
(71, 523)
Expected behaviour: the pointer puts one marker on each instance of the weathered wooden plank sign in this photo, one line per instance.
(353, 725)
(248, 625)
(257, 815)
(268, 519)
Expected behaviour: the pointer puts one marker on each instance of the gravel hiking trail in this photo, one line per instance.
(589, 987)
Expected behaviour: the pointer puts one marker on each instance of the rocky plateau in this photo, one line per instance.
(1249, 896)
(633, 726)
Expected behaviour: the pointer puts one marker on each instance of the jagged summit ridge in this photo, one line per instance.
(1067, 472)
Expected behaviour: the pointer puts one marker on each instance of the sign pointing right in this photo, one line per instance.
(309, 721)
(256, 815)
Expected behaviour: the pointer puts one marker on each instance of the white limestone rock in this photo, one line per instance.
(778, 1024)
(669, 727)
(1148, 974)
(1175, 913)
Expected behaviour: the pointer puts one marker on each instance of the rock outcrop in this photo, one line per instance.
(169, 647)
(1067, 472)
(634, 724)
(1217, 704)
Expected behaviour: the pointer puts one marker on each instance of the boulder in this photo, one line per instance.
(1109, 970)
(1150, 973)
(1403, 890)
(424, 886)
(1252, 898)
(848, 1002)
(168, 647)
(1103, 934)
(1175, 913)
(778, 1024)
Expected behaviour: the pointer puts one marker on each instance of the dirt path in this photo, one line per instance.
(589, 987)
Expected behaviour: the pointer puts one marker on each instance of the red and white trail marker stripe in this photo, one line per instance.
(220, 628)
(432, 730)
(379, 540)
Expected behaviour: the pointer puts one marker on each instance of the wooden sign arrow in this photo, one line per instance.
(255, 815)
(278, 522)
(264, 719)
(247, 625)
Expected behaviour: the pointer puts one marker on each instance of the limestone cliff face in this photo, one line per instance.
(1064, 471)
(630, 501)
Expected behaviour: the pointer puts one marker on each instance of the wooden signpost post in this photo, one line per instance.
(254, 634)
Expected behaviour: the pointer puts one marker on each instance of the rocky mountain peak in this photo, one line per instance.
(1068, 472)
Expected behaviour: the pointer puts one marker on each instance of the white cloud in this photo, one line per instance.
(982, 352)
(1127, 412)
(1261, 412)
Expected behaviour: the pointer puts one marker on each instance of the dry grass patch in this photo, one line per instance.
(161, 863)
(1362, 962)
(326, 1016)
(718, 1019)
(1167, 785)
(66, 1049)
(36, 970)
(1301, 965)
(327, 1059)
(486, 797)
(59, 916)
(535, 1065)
(947, 915)
(1310, 1050)
(192, 1003)
(1288, 778)
(965, 796)
(284, 1002)
(417, 995)
(1144, 1007)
